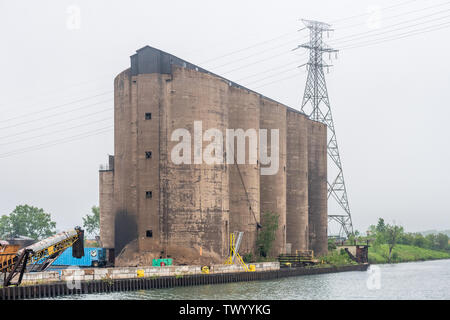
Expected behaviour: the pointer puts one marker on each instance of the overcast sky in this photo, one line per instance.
(390, 99)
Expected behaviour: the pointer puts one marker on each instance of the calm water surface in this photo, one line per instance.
(414, 280)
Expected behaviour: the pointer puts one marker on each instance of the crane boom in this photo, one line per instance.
(41, 254)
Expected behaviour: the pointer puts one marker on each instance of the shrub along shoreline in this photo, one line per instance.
(378, 254)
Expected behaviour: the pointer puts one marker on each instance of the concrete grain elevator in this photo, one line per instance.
(152, 207)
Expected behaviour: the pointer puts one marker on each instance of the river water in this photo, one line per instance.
(413, 280)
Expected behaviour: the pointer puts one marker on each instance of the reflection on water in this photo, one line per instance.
(415, 280)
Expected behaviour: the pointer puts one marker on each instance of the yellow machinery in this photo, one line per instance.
(234, 254)
(205, 269)
(40, 255)
(7, 251)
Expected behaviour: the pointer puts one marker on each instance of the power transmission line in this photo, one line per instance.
(54, 115)
(56, 142)
(399, 36)
(271, 76)
(352, 35)
(361, 35)
(259, 61)
(249, 47)
(258, 80)
(50, 93)
(59, 106)
(258, 53)
(279, 80)
(368, 13)
(337, 40)
(56, 131)
(56, 123)
(398, 15)
(265, 71)
(291, 33)
(368, 43)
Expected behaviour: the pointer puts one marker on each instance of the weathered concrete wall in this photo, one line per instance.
(297, 182)
(150, 92)
(125, 146)
(40, 277)
(244, 184)
(317, 187)
(89, 274)
(196, 200)
(273, 187)
(106, 204)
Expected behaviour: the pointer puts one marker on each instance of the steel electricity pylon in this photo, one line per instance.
(317, 105)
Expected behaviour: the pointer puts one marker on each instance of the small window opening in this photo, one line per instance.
(149, 233)
(148, 116)
(148, 194)
(148, 154)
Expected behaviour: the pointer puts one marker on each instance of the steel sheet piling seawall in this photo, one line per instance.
(101, 286)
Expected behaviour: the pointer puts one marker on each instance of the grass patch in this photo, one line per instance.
(335, 258)
(404, 253)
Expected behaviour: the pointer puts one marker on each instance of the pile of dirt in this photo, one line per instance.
(131, 257)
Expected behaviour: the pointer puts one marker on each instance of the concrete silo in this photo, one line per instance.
(317, 187)
(297, 182)
(273, 186)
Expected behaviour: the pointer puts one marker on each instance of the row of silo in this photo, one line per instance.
(197, 205)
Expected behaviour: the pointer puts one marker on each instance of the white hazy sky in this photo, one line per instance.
(390, 100)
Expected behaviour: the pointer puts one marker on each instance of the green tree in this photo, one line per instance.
(91, 222)
(266, 235)
(5, 227)
(419, 240)
(406, 238)
(380, 232)
(27, 221)
(442, 241)
(331, 244)
(431, 242)
(392, 234)
(381, 226)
